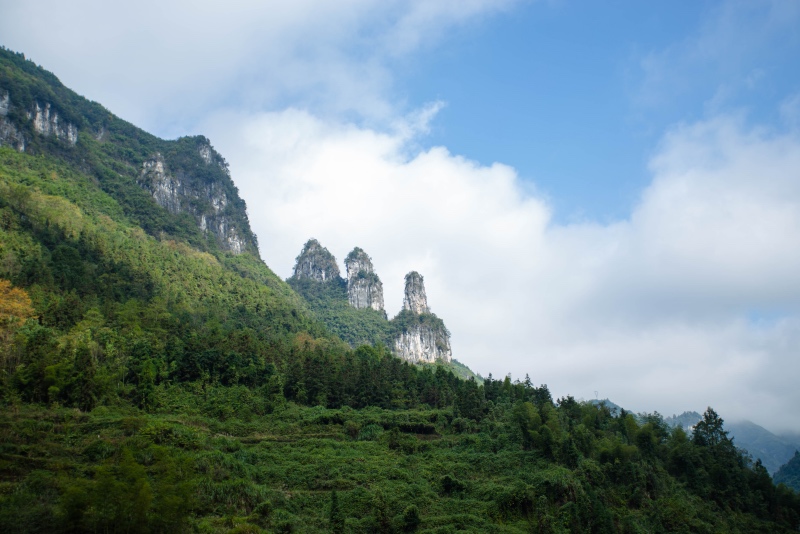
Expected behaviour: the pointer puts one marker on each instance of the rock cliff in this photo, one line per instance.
(364, 287)
(46, 121)
(9, 133)
(423, 344)
(43, 119)
(185, 177)
(315, 262)
(422, 337)
(197, 188)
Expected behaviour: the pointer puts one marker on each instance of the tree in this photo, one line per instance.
(527, 417)
(15, 306)
(709, 431)
(15, 309)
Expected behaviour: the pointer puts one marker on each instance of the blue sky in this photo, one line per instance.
(559, 91)
(603, 195)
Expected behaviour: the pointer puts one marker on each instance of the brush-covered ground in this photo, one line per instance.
(215, 459)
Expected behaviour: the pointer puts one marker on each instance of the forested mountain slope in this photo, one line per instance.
(124, 292)
(773, 451)
(179, 188)
(156, 377)
(789, 473)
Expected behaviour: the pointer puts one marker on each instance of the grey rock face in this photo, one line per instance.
(10, 136)
(315, 262)
(166, 190)
(177, 193)
(364, 288)
(5, 103)
(415, 299)
(47, 122)
(205, 153)
(423, 344)
(424, 337)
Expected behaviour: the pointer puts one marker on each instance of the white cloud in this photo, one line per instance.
(692, 301)
(162, 65)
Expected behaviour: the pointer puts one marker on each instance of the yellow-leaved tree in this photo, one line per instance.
(15, 309)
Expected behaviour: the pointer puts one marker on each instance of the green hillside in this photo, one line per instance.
(328, 302)
(112, 152)
(140, 309)
(153, 380)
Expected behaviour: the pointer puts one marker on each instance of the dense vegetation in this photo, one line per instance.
(328, 301)
(213, 458)
(152, 383)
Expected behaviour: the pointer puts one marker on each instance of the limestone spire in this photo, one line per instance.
(315, 262)
(364, 288)
(415, 299)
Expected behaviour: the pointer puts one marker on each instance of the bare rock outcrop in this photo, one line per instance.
(415, 299)
(422, 336)
(45, 121)
(181, 191)
(315, 262)
(364, 287)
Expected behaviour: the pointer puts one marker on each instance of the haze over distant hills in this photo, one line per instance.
(773, 451)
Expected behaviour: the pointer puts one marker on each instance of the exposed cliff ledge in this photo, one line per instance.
(186, 187)
(5, 103)
(43, 119)
(9, 133)
(422, 336)
(315, 262)
(47, 122)
(364, 287)
(166, 190)
(422, 343)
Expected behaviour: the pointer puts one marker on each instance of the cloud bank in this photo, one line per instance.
(164, 65)
(691, 301)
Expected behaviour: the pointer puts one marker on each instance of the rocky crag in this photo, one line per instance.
(185, 177)
(422, 337)
(415, 300)
(415, 334)
(316, 263)
(41, 119)
(364, 287)
(187, 189)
